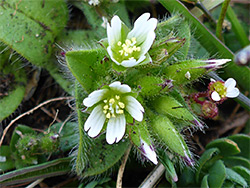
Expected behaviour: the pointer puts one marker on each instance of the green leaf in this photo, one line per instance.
(52, 15)
(88, 68)
(236, 161)
(217, 174)
(6, 161)
(206, 156)
(103, 156)
(9, 103)
(25, 24)
(226, 146)
(211, 43)
(243, 142)
(235, 177)
(49, 169)
(204, 182)
(244, 172)
(171, 174)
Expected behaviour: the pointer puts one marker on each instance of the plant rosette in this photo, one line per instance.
(111, 106)
(130, 48)
(220, 91)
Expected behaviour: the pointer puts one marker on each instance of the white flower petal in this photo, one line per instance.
(116, 129)
(123, 88)
(230, 84)
(149, 152)
(114, 31)
(129, 63)
(95, 122)
(215, 96)
(233, 93)
(111, 55)
(146, 45)
(134, 108)
(142, 27)
(94, 97)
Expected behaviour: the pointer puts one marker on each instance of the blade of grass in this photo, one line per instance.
(211, 44)
(237, 28)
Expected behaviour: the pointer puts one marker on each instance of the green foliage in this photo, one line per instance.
(221, 164)
(16, 81)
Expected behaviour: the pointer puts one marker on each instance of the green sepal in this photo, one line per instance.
(217, 174)
(167, 105)
(177, 72)
(137, 132)
(235, 177)
(88, 68)
(164, 48)
(166, 132)
(226, 146)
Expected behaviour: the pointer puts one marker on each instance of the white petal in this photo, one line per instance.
(129, 63)
(111, 55)
(114, 31)
(123, 88)
(215, 96)
(95, 122)
(233, 93)
(146, 45)
(116, 129)
(94, 97)
(134, 108)
(212, 80)
(230, 84)
(149, 152)
(217, 61)
(142, 27)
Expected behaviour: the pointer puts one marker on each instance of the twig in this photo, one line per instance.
(53, 120)
(29, 112)
(153, 177)
(221, 19)
(66, 120)
(50, 114)
(122, 167)
(35, 183)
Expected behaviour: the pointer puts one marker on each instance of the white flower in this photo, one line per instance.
(105, 22)
(220, 90)
(111, 105)
(148, 151)
(130, 48)
(94, 2)
(215, 63)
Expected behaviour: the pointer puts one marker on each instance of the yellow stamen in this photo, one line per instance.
(112, 101)
(120, 111)
(106, 107)
(108, 115)
(121, 104)
(117, 97)
(119, 43)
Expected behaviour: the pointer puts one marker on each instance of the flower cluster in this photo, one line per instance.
(218, 91)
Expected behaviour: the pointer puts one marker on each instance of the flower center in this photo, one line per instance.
(219, 88)
(128, 48)
(113, 107)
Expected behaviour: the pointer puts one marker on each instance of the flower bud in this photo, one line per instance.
(243, 56)
(209, 109)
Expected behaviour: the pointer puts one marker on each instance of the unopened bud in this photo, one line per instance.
(209, 109)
